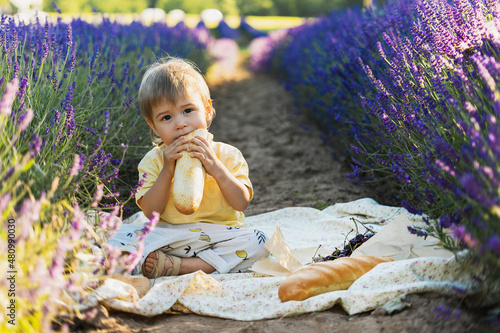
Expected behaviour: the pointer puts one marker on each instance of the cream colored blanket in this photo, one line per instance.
(419, 267)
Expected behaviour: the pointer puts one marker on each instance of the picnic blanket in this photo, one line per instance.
(420, 266)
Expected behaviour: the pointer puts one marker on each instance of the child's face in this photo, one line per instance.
(171, 121)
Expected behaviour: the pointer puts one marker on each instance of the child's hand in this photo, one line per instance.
(234, 191)
(172, 153)
(201, 150)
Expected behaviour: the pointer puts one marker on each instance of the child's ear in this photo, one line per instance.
(152, 126)
(208, 109)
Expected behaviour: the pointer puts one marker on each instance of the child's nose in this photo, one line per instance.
(180, 123)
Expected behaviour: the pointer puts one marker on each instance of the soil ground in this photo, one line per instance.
(290, 166)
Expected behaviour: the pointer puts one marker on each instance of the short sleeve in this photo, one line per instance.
(234, 161)
(149, 168)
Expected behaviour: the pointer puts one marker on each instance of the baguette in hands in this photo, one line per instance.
(189, 179)
(326, 276)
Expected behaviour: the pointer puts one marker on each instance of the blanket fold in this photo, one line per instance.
(254, 296)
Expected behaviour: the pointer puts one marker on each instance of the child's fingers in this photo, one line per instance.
(197, 140)
(196, 148)
(180, 148)
(201, 139)
(199, 156)
(176, 156)
(179, 141)
(176, 148)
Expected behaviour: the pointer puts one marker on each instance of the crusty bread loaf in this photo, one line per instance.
(189, 179)
(322, 277)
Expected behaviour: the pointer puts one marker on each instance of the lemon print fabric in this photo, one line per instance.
(242, 254)
(195, 230)
(205, 237)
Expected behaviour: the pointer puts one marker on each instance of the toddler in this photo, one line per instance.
(175, 100)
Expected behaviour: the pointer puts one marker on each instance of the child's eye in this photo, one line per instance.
(188, 110)
(166, 118)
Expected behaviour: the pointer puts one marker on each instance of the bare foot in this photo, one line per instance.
(151, 262)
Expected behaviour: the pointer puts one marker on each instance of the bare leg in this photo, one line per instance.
(188, 265)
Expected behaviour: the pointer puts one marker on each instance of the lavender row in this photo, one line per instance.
(225, 31)
(412, 89)
(68, 124)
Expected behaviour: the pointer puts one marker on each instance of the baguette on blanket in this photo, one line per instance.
(189, 179)
(322, 277)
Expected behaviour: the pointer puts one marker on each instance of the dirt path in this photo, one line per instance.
(254, 114)
(289, 164)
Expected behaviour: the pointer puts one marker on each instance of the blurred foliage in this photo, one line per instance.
(227, 7)
(294, 7)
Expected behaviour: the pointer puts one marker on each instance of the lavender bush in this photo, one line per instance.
(412, 89)
(39, 238)
(68, 124)
(80, 80)
(225, 31)
(249, 30)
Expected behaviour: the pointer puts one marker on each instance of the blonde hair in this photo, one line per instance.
(168, 80)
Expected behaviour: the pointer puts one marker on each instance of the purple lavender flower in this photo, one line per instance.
(75, 168)
(357, 150)
(20, 109)
(106, 122)
(66, 103)
(57, 116)
(56, 8)
(421, 128)
(226, 31)
(150, 225)
(15, 74)
(138, 186)
(25, 120)
(35, 145)
(474, 189)
(55, 81)
(401, 173)
(111, 223)
(134, 257)
(494, 243)
(460, 233)
(417, 231)
(485, 74)
(69, 36)
(78, 223)
(8, 97)
(445, 167)
(4, 202)
(244, 26)
(98, 195)
(70, 121)
(111, 72)
(72, 61)
(22, 88)
(446, 221)
(29, 214)
(445, 312)
(389, 125)
(56, 268)
(45, 51)
(410, 208)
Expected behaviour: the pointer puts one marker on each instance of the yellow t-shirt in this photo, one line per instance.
(213, 207)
